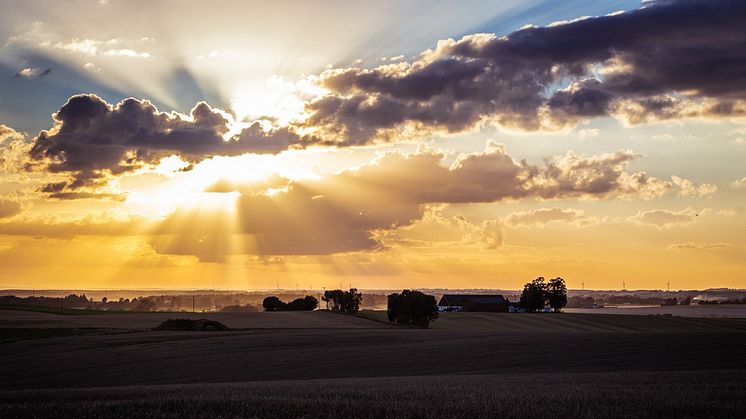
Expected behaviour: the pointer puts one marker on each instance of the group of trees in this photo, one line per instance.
(538, 294)
(412, 308)
(344, 301)
(306, 303)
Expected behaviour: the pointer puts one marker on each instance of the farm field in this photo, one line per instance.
(609, 395)
(694, 310)
(134, 320)
(323, 364)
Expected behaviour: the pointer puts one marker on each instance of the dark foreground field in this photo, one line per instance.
(469, 365)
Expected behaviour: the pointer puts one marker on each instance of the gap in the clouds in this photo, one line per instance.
(544, 12)
(158, 190)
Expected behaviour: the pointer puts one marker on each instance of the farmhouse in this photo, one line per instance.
(473, 302)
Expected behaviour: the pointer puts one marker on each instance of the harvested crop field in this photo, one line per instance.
(609, 395)
(124, 320)
(321, 364)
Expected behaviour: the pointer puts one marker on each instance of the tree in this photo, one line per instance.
(345, 301)
(412, 307)
(310, 303)
(556, 293)
(333, 299)
(351, 301)
(532, 297)
(273, 303)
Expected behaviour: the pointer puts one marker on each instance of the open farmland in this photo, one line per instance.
(469, 364)
(611, 395)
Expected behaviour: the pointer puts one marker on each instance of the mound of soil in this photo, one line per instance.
(189, 325)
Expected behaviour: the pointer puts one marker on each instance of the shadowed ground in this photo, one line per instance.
(608, 395)
(362, 367)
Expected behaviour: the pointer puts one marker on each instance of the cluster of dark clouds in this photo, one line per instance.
(669, 59)
(348, 211)
(92, 140)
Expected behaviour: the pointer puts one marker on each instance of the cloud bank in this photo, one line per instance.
(92, 140)
(670, 59)
(666, 60)
(349, 211)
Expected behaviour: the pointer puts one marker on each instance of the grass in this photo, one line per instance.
(609, 395)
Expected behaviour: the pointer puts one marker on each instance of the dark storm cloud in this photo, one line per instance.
(92, 140)
(669, 59)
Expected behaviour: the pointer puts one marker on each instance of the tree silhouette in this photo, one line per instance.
(273, 303)
(307, 303)
(533, 295)
(556, 293)
(412, 307)
(345, 301)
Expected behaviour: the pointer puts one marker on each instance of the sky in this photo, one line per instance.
(384, 145)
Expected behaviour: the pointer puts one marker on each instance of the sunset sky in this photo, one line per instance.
(387, 144)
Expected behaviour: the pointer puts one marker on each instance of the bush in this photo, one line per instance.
(273, 304)
(189, 325)
(307, 303)
(413, 308)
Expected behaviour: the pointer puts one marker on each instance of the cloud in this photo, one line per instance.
(587, 133)
(13, 150)
(490, 234)
(89, 226)
(688, 189)
(627, 65)
(32, 73)
(97, 47)
(9, 208)
(8, 134)
(664, 219)
(92, 140)
(544, 216)
(669, 59)
(350, 210)
(697, 245)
